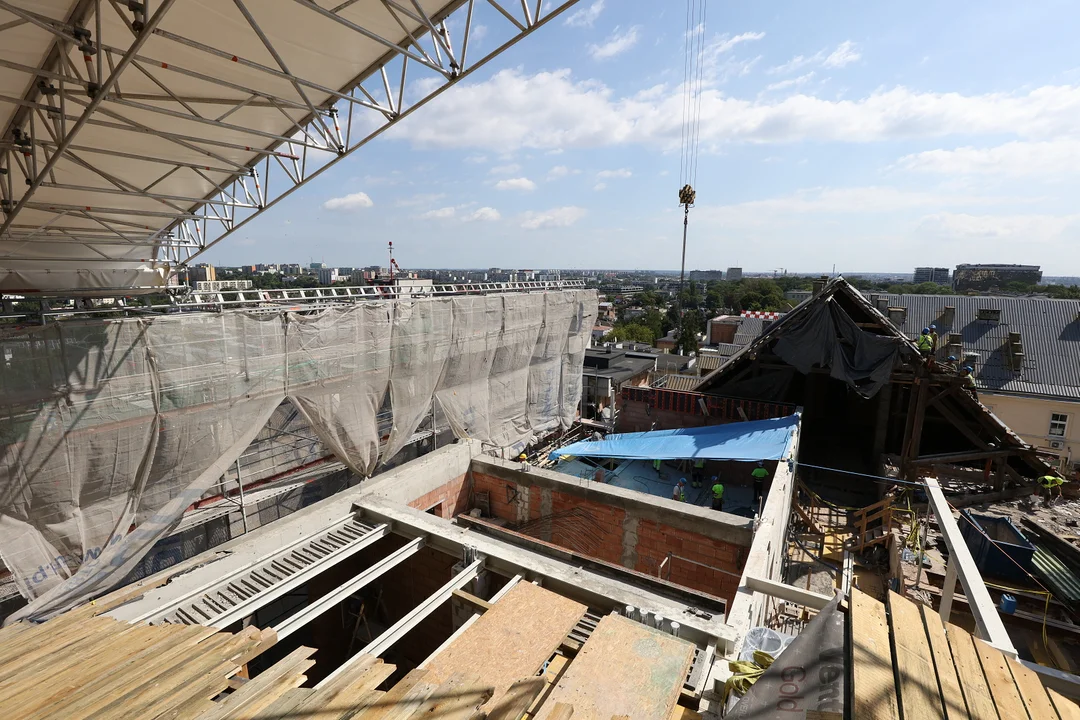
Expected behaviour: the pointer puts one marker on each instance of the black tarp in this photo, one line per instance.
(808, 676)
(826, 336)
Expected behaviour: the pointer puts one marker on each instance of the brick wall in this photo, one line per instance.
(642, 407)
(623, 538)
(453, 496)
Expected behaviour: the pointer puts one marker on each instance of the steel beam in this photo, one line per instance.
(398, 630)
(305, 615)
(799, 596)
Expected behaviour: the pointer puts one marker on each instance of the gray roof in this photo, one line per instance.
(749, 329)
(1049, 331)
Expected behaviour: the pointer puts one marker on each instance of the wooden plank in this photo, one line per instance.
(624, 668)
(952, 696)
(1002, 686)
(410, 701)
(265, 689)
(874, 686)
(456, 699)
(510, 641)
(919, 696)
(1067, 709)
(561, 711)
(468, 597)
(395, 696)
(1032, 692)
(346, 690)
(515, 701)
(970, 674)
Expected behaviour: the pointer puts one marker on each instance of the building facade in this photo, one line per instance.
(931, 274)
(733, 274)
(987, 277)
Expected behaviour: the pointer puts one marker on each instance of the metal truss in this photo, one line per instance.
(60, 189)
(266, 300)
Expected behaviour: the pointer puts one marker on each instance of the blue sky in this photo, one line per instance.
(870, 136)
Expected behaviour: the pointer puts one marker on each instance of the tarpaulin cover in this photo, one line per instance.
(826, 336)
(807, 680)
(110, 429)
(756, 440)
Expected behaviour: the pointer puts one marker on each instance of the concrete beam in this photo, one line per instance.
(982, 606)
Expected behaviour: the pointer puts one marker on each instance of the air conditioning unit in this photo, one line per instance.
(1057, 444)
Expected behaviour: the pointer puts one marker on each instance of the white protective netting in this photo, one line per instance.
(110, 429)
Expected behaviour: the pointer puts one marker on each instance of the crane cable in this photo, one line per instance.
(693, 79)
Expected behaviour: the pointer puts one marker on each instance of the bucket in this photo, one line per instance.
(1007, 604)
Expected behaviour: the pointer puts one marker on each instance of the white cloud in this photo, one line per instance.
(439, 214)
(1033, 228)
(505, 169)
(792, 82)
(726, 43)
(620, 173)
(556, 217)
(844, 54)
(557, 172)
(599, 186)
(586, 16)
(615, 45)
(521, 183)
(1044, 160)
(553, 110)
(355, 201)
(484, 214)
(476, 159)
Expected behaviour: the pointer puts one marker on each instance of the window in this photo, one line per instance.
(989, 314)
(1058, 423)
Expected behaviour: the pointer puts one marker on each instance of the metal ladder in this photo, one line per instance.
(241, 593)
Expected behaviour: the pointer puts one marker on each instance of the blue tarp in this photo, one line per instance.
(757, 440)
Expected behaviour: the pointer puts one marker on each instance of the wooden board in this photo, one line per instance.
(969, 671)
(510, 641)
(919, 694)
(1002, 686)
(874, 687)
(1032, 692)
(952, 696)
(624, 668)
(1067, 709)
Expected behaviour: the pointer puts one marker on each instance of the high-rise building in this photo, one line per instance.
(932, 274)
(203, 272)
(328, 276)
(985, 277)
(733, 274)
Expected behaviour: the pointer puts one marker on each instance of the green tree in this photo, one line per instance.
(634, 332)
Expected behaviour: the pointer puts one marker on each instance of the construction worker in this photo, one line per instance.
(679, 493)
(1048, 483)
(717, 494)
(656, 465)
(697, 476)
(967, 374)
(760, 475)
(925, 343)
(934, 338)
(950, 364)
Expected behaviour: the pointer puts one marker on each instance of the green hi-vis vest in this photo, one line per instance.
(718, 491)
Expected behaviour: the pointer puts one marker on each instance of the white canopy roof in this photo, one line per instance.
(113, 172)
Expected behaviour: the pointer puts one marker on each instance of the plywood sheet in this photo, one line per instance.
(624, 668)
(1033, 693)
(914, 663)
(1002, 687)
(510, 641)
(875, 691)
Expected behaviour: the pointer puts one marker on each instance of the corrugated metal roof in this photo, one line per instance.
(1061, 581)
(686, 383)
(1049, 331)
(749, 329)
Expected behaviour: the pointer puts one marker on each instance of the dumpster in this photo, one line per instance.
(999, 548)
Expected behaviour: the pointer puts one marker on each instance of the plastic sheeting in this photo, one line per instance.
(826, 336)
(109, 430)
(756, 440)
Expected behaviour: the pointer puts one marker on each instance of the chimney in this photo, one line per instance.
(819, 285)
(898, 315)
(874, 299)
(954, 345)
(883, 305)
(1015, 352)
(948, 315)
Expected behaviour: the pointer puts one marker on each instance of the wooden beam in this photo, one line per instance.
(468, 597)
(772, 588)
(961, 456)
